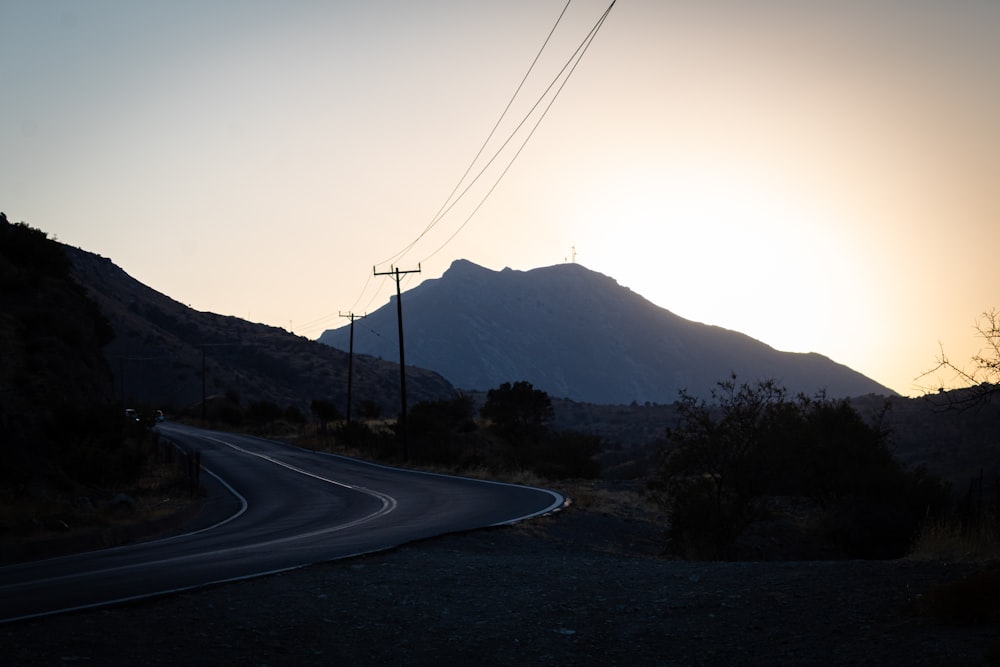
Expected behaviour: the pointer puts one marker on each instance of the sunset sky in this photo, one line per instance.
(822, 176)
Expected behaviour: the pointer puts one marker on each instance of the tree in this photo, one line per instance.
(369, 409)
(326, 412)
(439, 418)
(262, 413)
(518, 411)
(981, 381)
(752, 453)
(437, 427)
(293, 415)
(712, 466)
(567, 454)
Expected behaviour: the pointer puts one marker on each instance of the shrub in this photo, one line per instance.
(518, 411)
(95, 446)
(567, 454)
(360, 436)
(722, 463)
(293, 415)
(369, 409)
(437, 428)
(958, 537)
(262, 413)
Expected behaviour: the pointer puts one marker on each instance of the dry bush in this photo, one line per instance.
(949, 539)
(517, 476)
(624, 500)
(51, 522)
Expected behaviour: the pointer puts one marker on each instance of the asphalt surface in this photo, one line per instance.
(271, 507)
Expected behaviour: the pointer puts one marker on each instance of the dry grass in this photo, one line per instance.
(624, 500)
(948, 539)
(520, 476)
(971, 600)
(47, 521)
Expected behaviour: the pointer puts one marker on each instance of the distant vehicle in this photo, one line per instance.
(158, 416)
(131, 414)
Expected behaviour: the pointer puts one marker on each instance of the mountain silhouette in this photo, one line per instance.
(161, 348)
(577, 334)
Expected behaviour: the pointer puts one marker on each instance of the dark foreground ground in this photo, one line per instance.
(580, 588)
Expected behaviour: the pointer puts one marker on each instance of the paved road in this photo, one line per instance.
(272, 507)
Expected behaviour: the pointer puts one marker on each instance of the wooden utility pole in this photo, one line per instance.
(397, 274)
(350, 362)
(204, 399)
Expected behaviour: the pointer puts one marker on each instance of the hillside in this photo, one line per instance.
(160, 346)
(959, 446)
(67, 354)
(55, 386)
(578, 334)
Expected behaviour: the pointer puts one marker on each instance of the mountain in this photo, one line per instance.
(161, 346)
(577, 334)
(55, 384)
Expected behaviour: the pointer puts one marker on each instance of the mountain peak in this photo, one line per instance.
(467, 266)
(577, 333)
(464, 266)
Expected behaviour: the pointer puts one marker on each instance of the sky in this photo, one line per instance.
(821, 176)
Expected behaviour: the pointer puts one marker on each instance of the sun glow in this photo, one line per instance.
(729, 248)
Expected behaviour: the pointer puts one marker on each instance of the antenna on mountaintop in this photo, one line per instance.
(574, 254)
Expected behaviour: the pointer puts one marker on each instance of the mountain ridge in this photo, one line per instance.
(578, 334)
(161, 347)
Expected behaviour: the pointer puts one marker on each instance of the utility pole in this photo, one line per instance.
(396, 273)
(204, 400)
(121, 381)
(350, 362)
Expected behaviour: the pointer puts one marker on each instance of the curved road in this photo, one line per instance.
(272, 507)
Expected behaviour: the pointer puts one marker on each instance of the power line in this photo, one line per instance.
(578, 55)
(445, 207)
(452, 200)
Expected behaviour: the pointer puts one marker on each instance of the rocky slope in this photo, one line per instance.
(161, 346)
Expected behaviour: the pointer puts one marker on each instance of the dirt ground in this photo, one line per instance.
(578, 588)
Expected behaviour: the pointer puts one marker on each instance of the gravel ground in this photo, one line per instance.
(579, 588)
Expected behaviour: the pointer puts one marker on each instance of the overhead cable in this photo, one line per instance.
(578, 55)
(448, 203)
(452, 200)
